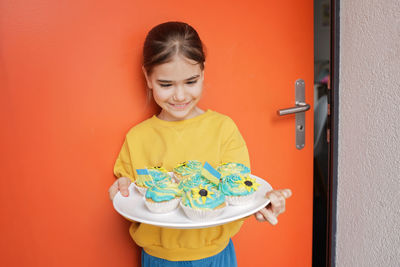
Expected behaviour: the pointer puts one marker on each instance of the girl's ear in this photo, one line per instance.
(202, 71)
(149, 85)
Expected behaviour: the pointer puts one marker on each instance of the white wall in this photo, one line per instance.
(368, 219)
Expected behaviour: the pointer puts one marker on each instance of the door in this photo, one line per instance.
(74, 87)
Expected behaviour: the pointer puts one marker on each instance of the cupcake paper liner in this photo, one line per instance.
(162, 207)
(240, 200)
(202, 214)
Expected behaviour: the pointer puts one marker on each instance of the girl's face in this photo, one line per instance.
(177, 87)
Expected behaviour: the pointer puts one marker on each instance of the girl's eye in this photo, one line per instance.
(191, 82)
(165, 84)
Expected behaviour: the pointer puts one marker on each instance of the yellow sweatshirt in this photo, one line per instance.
(210, 137)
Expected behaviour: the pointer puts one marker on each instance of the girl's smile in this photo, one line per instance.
(177, 87)
(180, 106)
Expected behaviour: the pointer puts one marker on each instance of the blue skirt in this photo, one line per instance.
(226, 258)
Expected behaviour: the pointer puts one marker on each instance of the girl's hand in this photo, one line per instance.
(121, 184)
(275, 207)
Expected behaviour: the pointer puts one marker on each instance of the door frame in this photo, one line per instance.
(328, 216)
(333, 126)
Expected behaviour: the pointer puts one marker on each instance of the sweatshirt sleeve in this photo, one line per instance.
(123, 168)
(234, 147)
(123, 165)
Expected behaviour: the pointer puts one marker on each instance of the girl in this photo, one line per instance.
(173, 65)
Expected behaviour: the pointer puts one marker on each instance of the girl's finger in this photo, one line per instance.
(259, 217)
(113, 191)
(277, 205)
(286, 193)
(269, 216)
(123, 184)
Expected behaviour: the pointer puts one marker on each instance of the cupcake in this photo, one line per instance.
(233, 168)
(159, 174)
(202, 203)
(238, 189)
(143, 180)
(149, 177)
(194, 180)
(186, 169)
(163, 197)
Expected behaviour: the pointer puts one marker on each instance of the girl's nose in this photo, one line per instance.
(179, 93)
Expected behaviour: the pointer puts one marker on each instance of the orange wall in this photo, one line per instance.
(71, 87)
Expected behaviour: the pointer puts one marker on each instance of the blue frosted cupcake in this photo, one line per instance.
(202, 203)
(238, 189)
(163, 197)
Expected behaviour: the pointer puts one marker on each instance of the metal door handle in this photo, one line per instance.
(300, 107)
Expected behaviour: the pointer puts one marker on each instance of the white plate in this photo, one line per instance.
(133, 208)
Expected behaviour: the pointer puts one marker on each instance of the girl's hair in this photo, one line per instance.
(169, 39)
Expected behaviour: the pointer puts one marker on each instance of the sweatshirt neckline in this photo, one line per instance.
(182, 122)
